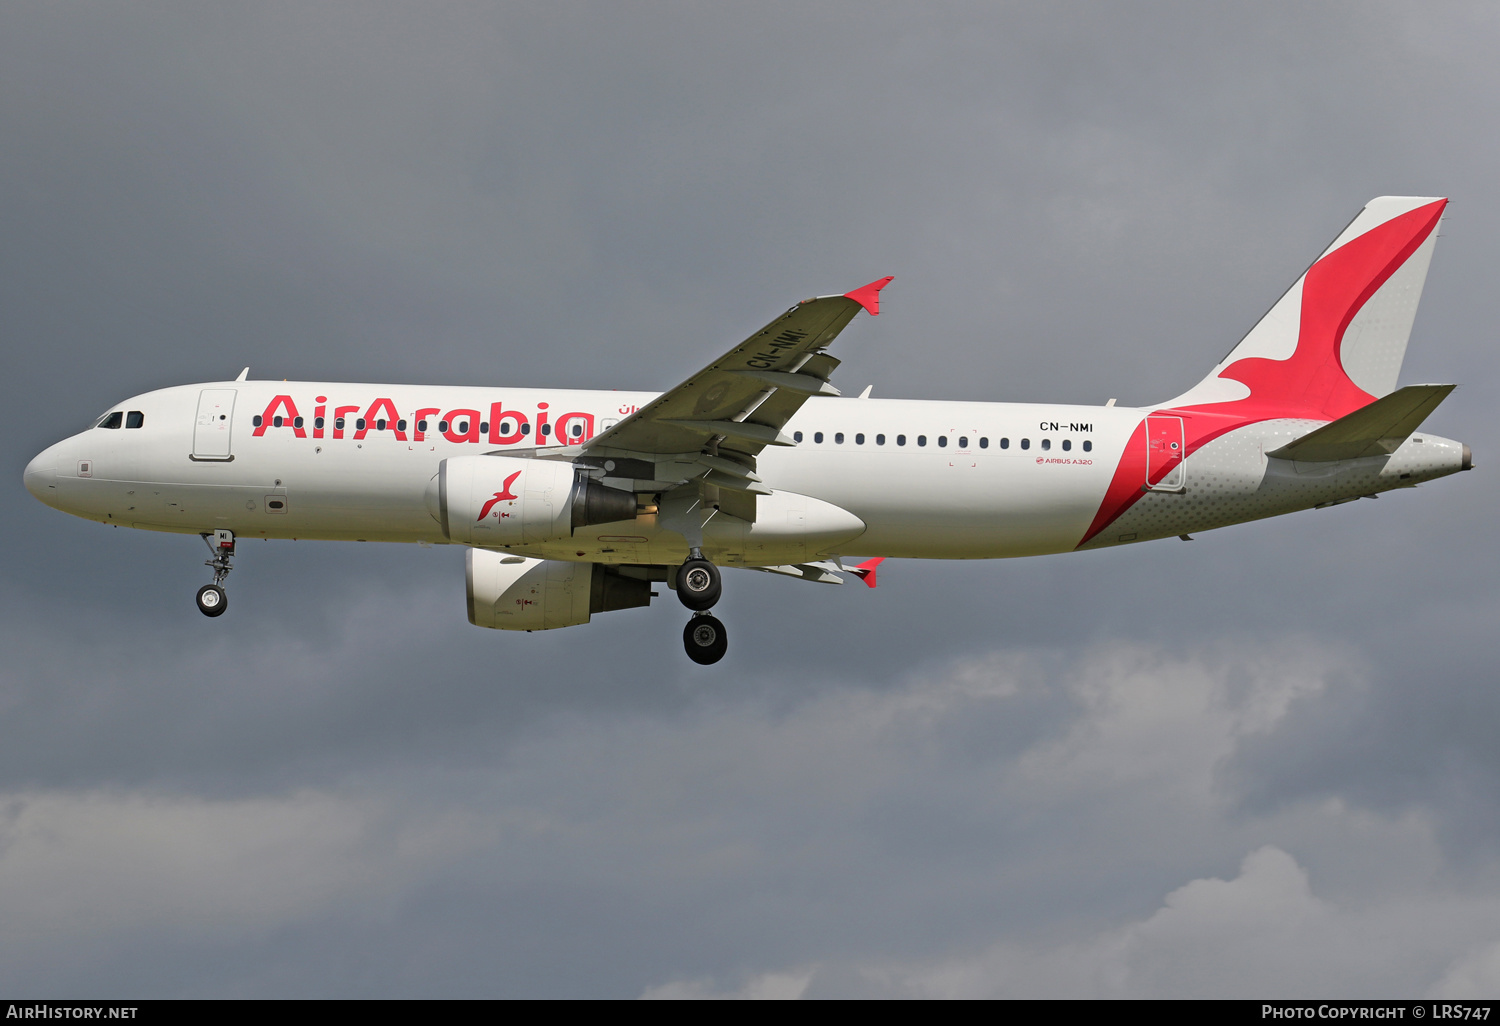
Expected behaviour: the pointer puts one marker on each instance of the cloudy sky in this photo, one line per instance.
(1263, 763)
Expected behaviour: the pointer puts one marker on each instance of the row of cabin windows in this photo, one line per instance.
(462, 427)
(133, 419)
(942, 441)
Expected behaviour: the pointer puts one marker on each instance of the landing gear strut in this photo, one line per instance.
(212, 601)
(699, 585)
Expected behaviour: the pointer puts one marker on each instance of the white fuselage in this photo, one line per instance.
(952, 480)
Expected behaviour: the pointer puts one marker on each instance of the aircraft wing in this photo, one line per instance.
(737, 405)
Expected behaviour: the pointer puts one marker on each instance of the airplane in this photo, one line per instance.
(571, 503)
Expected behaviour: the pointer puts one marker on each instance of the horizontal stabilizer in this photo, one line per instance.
(1378, 429)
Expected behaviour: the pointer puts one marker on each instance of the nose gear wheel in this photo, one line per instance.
(212, 601)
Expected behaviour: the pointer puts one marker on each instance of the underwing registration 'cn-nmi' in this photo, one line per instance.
(572, 503)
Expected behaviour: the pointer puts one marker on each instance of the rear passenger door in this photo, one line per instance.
(1165, 471)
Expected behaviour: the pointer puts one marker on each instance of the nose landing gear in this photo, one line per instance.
(699, 585)
(212, 601)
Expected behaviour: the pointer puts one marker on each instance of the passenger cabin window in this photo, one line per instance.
(112, 420)
(942, 441)
(422, 425)
(921, 439)
(525, 429)
(296, 422)
(546, 430)
(338, 424)
(963, 442)
(359, 425)
(1067, 444)
(1088, 446)
(984, 443)
(1005, 443)
(880, 439)
(1046, 443)
(575, 429)
(276, 421)
(442, 425)
(859, 439)
(134, 419)
(380, 424)
(796, 436)
(1026, 443)
(900, 439)
(318, 423)
(256, 420)
(400, 425)
(483, 427)
(838, 437)
(817, 436)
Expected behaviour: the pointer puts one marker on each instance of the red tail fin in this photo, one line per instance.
(1335, 340)
(1331, 345)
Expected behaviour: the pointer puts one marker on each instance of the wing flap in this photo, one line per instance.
(821, 572)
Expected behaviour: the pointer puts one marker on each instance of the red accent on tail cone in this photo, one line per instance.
(866, 570)
(868, 296)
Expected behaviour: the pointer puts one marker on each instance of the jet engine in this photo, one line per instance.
(503, 500)
(514, 593)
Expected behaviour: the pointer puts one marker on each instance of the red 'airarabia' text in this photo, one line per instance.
(502, 426)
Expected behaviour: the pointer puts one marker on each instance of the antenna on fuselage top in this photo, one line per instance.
(244, 375)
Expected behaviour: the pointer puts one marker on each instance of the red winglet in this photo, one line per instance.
(866, 570)
(869, 298)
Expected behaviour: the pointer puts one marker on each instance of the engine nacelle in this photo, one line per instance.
(502, 500)
(514, 593)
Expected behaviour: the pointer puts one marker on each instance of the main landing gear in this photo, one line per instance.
(704, 639)
(699, 586)
(211, 598)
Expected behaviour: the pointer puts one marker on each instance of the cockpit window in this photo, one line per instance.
(134, 419)
(111, 420)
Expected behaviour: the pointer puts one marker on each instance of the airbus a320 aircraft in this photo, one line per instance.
(572, 503)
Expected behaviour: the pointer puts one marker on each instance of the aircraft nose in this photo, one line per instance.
(41, 475)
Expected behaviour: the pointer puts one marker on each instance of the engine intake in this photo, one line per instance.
(503, 500)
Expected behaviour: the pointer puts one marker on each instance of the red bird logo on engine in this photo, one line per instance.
(500, 496)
